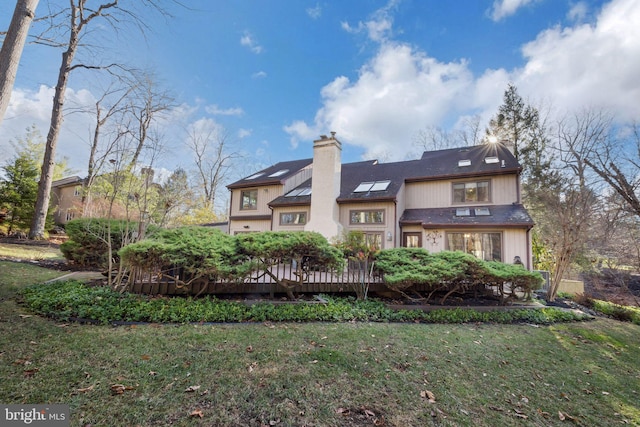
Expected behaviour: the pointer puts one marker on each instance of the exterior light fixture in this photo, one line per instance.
(389, 236)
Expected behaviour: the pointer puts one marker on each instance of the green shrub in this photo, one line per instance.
(618, 312)
(87, 245)
(73, 300)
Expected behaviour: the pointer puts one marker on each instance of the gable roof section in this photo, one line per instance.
(443, 164)
(285, 200)
(70, 180)
(354, 174)
(279, 174)
(514, 215)
(433, 165)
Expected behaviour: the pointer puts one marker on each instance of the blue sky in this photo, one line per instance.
(276, 74)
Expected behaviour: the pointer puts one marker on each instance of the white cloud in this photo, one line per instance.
(243, 133)
(396, 93)
(401, 89)
(504, 8)
(379, 28)
(27, 108)
(593, 65)
(259, 75)
(578, 12)
(314, 12)
(248, 41)
(217, 111)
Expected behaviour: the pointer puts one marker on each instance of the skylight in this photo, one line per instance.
(255, 175)
(363, 187)
(483, 212)
(463, 212)
(304, 191)
(462, 163)
(491, 160)
(279, 173)
(372, 186)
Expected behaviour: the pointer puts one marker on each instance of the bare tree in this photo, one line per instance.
(432, 138)
(564, 207)
(212, 155)
(80, 18)
(617, 162)
(12, 47)
(146, 105)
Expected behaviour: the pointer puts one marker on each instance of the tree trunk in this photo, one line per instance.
(12, 49)
(48, 163)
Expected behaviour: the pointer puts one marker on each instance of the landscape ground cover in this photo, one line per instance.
(322, 374)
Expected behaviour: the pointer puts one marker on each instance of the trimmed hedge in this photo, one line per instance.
(87, 244)
(72, 300)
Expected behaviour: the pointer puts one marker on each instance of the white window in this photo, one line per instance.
(469, 192)
(293, 218)
(486, 246)
(366, 217)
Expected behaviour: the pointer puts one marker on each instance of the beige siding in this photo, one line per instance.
(399, 208)
(252, 226)
(514, 243)
(67, 202)
(389, 225)
(265, 195)
(439, 194)
(295, 227)
(297, 179)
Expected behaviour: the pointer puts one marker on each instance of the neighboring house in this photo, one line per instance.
(67, 199)
(464, 199)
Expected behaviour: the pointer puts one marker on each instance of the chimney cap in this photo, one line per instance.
(323, 136)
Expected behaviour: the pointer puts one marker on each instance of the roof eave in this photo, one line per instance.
(506, 171)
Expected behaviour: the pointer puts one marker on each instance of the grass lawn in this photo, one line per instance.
(323, 374)
(32, 252)
(14, 275)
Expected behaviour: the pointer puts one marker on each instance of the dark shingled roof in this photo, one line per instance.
(67, 181)
(443, 164)
(433, 165)
(292, 167)
(514, 215)
(293, 200)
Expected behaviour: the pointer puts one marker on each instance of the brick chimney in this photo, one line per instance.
(325, 187)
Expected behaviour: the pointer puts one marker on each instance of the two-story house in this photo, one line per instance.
(67, 199)
(464, 199)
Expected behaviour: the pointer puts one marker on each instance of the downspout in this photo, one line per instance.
(396, 226)
(230, 209)
(529, 252)
(271, 226)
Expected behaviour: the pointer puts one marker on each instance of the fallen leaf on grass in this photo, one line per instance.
(28, 373)
(249, 349)
(145, 357)
(192, 388)
(343, 411)
(369, 413)
(85, 389)
(196, 413)
(25, 316)
(120, 388)
(427, 394)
